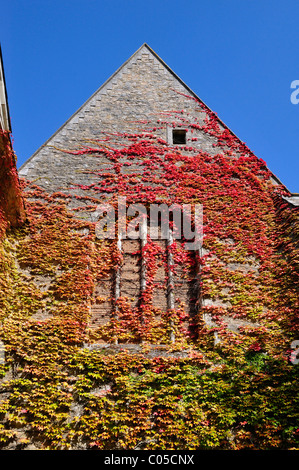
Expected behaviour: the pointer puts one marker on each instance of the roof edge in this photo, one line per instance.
(5, 90)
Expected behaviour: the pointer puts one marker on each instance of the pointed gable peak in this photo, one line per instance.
(142, 55)
(142, 89)
(145, 48)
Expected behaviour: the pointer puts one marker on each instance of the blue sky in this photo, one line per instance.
(239, 56)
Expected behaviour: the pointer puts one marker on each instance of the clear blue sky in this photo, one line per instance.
(238, 56)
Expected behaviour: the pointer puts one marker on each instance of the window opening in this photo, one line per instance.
(179, 136)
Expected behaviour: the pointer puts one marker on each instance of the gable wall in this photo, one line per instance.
(140, 96)
(143, 96)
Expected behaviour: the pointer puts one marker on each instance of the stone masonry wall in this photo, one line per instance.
(144, 96)
(141, 95)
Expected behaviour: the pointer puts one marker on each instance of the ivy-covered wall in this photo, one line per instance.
(12, 211)
(66, 386)
(127, 384)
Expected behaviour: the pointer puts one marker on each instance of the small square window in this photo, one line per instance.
(179, 136)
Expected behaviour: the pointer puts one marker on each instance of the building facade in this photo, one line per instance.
(143, 136)
(117, 336)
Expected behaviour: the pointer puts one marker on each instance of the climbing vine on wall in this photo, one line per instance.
(60, 391)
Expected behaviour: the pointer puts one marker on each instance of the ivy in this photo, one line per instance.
(240, 393)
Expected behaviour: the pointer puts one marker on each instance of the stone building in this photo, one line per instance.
(117, 338)
(103, 151)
